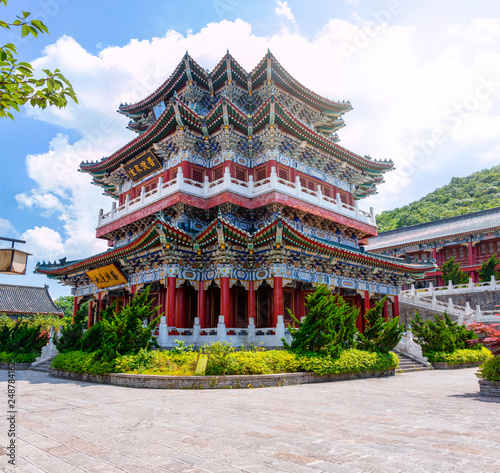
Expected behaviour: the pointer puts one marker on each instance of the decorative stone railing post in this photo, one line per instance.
(273, 177)
(431, 288)
(221, 330)
(163, 332)
(251, 331)
(450, 286)
(408, 347)
(339, 202)
(356, 208)
(143, 193)
(227, 177)
(127, 202)
(470, 286)
(493, 283)
(450, 305)
(372, 213)
(280, 331)
(320, 194)
(412, 290)
(298, 186)
(180, 178)
(160, 186)
(250, 184)
(433, 301)
(478, 314)
(113, 210)
(99, 218)
(196, 331)
(206, 186)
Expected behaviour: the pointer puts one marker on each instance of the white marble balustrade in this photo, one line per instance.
(248, 189)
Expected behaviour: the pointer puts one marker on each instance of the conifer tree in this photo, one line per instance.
(329, 328)
(380, 335)
(452, 272)
(488, 269)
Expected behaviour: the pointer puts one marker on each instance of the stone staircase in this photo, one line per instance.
(42, 367)
(407, 364)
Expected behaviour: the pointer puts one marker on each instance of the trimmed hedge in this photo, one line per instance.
(460, 356)
(228, 362)
(490, 369)
(18, 357)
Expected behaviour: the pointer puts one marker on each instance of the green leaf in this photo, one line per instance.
(25, 31)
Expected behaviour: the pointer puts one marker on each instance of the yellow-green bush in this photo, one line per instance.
(461, 356)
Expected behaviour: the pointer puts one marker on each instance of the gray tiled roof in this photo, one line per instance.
(27, 300)
(439, 229)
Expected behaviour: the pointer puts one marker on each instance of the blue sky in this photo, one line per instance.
(423, 78)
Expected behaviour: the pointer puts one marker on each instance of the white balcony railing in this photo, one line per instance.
(227, 183)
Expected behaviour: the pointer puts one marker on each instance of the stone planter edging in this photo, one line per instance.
(447, 366)
(213, 382)
(19, 366)
(489, 388)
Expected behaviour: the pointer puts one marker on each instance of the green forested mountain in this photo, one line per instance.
(462, 195)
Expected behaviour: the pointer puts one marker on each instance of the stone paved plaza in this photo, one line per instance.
(429, 421)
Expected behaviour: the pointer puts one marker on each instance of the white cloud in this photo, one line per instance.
(284, 10)
(7, 230)
(43, 242)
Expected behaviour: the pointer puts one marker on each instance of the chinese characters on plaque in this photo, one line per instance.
(106, 276)
(142, 166)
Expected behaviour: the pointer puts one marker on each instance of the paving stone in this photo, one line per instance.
(425, 421)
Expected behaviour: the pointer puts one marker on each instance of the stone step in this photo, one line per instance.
(406, 365)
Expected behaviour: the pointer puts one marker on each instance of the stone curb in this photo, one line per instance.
(489, 388)
(19, 366)
(213, 382)
(447, 366)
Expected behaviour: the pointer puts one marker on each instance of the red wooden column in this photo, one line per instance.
(385, 312)
(471, 254)
(201, 305)
(359, 320)
(251, 302)
(100, 303)
(395, 307)
(224, 301)
(171, 301)
(76, 306)
(90, 321)
(277, 300)
(298, 308)
(366, 307)
(180, 319)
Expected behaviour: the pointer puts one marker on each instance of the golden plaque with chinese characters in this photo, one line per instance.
(142, 166)
(106, 276)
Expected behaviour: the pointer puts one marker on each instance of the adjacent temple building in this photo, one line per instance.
(235, 200)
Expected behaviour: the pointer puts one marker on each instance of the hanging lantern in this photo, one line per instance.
(13, 261)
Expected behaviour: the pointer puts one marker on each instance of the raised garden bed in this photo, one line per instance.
(489, 388)
(214, 382)
(18, 366)
(447, 366)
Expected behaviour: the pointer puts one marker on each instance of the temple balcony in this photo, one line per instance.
(249, 189)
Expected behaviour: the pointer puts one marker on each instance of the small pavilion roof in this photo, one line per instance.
(438, 230)
(27, 300)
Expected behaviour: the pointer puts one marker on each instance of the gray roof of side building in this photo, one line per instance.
(462, 225)
(27, 300)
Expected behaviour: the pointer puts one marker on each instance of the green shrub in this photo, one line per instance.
(350, 361)
(442, 335)
(457, 357)
(329, 328)
(82, 362)
(490, 369)
(380, 335)
(18, 357)
(23, 336)
(158, 362)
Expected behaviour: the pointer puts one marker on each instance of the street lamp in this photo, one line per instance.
(12, 260)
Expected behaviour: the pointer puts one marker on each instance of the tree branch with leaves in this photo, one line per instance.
(18, 83)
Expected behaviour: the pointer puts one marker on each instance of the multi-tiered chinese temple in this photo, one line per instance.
(234, 200)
